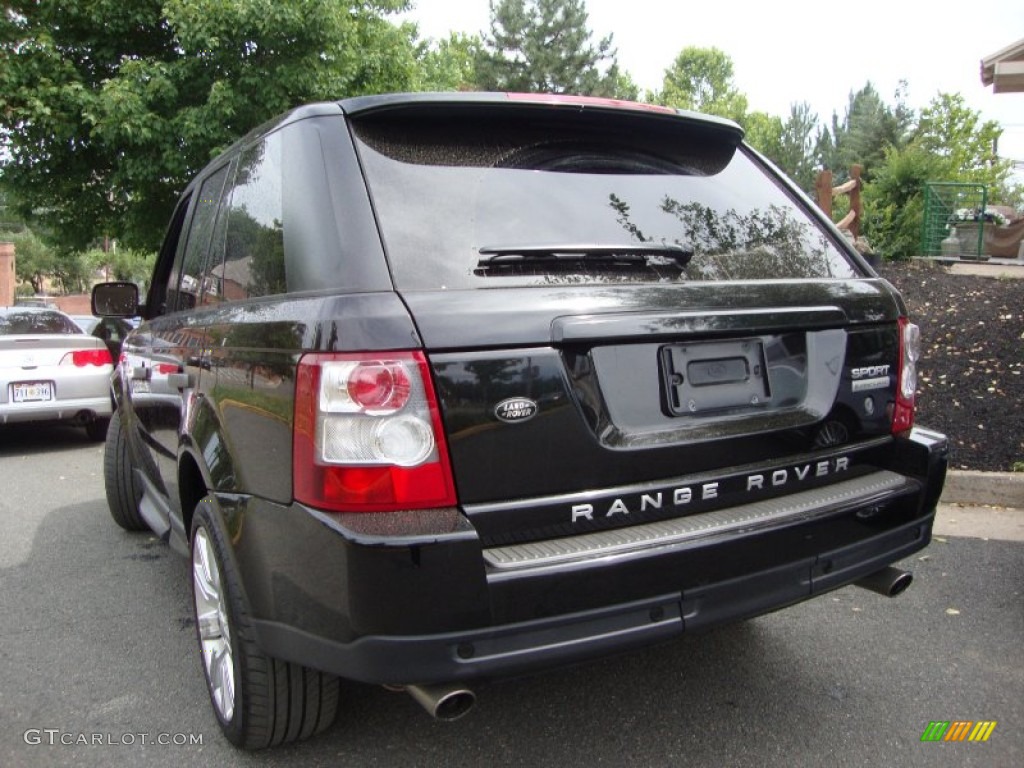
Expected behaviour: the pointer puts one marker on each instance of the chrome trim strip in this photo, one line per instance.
(672, 324)
(805, 505)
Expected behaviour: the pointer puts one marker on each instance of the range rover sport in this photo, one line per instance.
(439, 388)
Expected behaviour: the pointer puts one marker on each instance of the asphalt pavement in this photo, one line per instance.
(99, 661)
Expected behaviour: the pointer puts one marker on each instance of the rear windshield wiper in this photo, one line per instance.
(560, 255)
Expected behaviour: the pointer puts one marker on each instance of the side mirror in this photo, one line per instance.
(115, 300)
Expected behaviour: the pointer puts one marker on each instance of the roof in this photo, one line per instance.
(1004, 69)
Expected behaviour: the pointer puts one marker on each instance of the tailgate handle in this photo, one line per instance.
(673, 324)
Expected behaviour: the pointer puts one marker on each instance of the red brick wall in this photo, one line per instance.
(79, 304)
(7, 277)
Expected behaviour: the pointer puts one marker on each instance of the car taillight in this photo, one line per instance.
(368, 434)
(906, 379)
(83, 357)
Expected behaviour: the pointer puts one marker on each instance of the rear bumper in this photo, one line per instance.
(533, 645)
(56, 410)
(425, 602)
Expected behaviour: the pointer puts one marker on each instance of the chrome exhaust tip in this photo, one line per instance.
(888, 581)
(443, 702)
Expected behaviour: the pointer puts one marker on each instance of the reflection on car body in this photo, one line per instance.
(110, 330)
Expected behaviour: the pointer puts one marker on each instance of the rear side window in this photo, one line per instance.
(186, 279)
(253, 221)
(469, 203)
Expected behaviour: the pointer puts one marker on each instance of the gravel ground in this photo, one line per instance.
(971, 382)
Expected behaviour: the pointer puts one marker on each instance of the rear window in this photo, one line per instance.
(23, 323)
(478, 203)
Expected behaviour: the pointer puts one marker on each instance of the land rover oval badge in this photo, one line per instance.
(515, 410)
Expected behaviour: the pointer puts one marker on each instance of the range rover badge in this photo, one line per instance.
(515, 410)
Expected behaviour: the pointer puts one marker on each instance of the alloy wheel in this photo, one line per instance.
(214, 626)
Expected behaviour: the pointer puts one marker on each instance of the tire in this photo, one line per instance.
(96, 430)
(259, 701)
(123, 491)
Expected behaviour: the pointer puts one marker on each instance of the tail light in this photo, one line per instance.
(80, 358)
(368, 434)
(906, 379)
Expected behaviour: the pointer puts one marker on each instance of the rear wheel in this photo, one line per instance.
(259, 701)
(123, 491)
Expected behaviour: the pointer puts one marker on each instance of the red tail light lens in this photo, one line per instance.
(368, 434)
(81, 358)
(906, 381)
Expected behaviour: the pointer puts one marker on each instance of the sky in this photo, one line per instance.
(791, 51)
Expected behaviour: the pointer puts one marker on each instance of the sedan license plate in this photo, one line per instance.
(32, 391)
(712, 376)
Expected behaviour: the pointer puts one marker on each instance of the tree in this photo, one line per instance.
(701, 79)
(894, 200)
(123, 264)
(8, 222)
(796, 153)
(34, 261)
(72, 272)
(949, 129)
(764, 133)
(951, 143)
(544, 46)
(449, 64)
(788, 144)
(867, 129)
(107, 109)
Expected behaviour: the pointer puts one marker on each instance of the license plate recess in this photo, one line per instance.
(704, 377)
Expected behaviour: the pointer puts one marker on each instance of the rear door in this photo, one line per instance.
(628, 316)
(165, 356)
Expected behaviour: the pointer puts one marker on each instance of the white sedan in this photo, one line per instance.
(51, 371)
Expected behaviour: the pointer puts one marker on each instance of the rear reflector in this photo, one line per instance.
(368, 434)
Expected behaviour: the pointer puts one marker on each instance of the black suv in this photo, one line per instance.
(441, 388)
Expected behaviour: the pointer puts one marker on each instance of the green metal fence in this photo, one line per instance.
(961, 205)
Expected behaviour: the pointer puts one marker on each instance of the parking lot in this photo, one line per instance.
(99, 665)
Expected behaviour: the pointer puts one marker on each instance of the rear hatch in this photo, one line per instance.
(628, 317)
